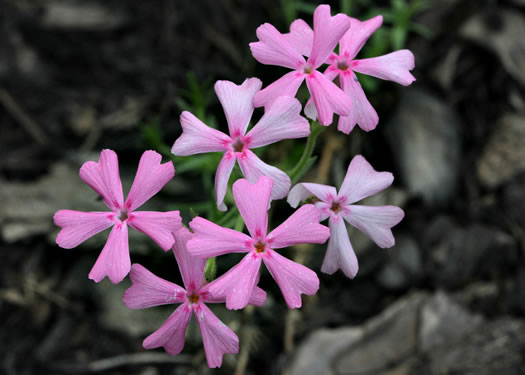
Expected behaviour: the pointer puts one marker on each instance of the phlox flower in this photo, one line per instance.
(103, 177)
(237, 284)
(148, 290)
(281, 120)
(273, 48)
(394, 66)
(361, 181)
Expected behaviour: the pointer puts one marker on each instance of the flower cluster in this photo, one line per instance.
(254, 193)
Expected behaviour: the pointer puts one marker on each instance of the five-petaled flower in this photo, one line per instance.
(149, 290)
(394, 66)
(280, 121)
(361, 181)
(237, 284)
(103, 177)
(274, 48)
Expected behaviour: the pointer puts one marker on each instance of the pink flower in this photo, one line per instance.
(103, 177)
(149, 290)
(394, 66)
(280, 121)
(273, 48)
(237, 284)
(361, 181)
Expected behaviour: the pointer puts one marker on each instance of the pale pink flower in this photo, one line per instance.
(273, 48)
(237, 284)
(361, 181)
(103, 177)
(148, 290)
(394, 66)
(281, 120)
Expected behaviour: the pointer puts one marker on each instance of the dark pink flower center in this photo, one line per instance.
(342, 65)
(336, 207)
(307, 68)
(122, 215)
(259, 247)
(193, 298)
(238, 145)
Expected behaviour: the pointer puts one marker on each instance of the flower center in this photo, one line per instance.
(238, 145)
(193, 298)
(307, 69)
(336, 207)
(259, 247)
(342, 65)
(122, 215)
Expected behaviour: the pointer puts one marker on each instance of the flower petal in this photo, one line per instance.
(309, 109)
(238, 283)
(376, 222)
(78, 226)
(339, 253)
(393, 67)
(359, 32)
(150, 179)
(190, 267)
(328, 31)
(362, 112)
(293, 279)
(171, 334)
(302, 227)
(103, 177)
(257, 298)
(328, 98)
(198, 138)
(237, 102)
(253, 168)
(149, 290)
(217, 338)
(301, 37)
(282, 120)
(213, 240)
(253, 201)
(287, 85)
(362, 180)
(274, 49)
(302, 191)
(114, 260)
(222, 176)
(159, 226)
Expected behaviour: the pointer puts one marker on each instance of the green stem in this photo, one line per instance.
(301, 167)
(211, 269)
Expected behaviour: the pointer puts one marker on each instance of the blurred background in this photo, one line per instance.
(449, 298)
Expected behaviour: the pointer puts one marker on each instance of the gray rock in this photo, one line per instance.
(514, 201)
(464, 253)
(444, 323)
(424, 134)
(80, 16)
(403, 266)
(516, 298)
(497, 348)
(389, 344)
(500, 30)
(504, 153)
(386, 340)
